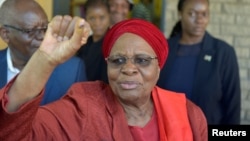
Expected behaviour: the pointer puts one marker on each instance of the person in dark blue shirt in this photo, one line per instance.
(98, 16)
(201, 66)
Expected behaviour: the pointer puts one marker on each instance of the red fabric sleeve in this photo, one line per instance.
(198, 122)
(21, 119)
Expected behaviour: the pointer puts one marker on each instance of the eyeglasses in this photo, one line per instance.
(29, 32)
(138, 60)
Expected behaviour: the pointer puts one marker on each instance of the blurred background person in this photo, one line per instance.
(97, 15)
(201, 66)
(143, 10)
(22, 28)
(119, 10)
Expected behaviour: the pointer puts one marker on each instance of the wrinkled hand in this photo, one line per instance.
(64, 36)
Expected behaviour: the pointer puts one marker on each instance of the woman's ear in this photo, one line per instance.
(158, 72)
(179, 15)
(4, 34)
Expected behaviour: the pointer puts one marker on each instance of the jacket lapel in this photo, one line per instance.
(3, 67)
(206, 59)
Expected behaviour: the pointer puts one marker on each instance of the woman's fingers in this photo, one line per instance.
(65, 35)
(81, 32)
(64, 26)
(70, 30)
(86, 33)
(55, 25)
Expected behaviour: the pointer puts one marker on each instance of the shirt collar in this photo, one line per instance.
(10, 64)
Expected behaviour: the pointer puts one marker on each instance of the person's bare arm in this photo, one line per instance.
(62, 39)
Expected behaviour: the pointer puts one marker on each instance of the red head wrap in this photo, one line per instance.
(149, 32)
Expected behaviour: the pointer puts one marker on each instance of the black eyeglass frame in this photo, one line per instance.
(26, 31)
(108, 59)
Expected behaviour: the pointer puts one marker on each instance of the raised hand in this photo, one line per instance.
(65, 35)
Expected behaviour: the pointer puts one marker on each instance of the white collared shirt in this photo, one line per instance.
(12, 71)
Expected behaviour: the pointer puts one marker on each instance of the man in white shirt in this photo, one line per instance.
(22, 28)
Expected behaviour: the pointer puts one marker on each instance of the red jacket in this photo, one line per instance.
(91, 112)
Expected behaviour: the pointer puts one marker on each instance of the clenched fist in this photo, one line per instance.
(65, 35)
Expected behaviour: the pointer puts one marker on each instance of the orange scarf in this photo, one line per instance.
(172, 115)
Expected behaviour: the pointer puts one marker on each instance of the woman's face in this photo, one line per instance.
(99, 20)
(133, 80)
(194, 17)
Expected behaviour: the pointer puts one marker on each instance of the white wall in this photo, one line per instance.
(1, 1)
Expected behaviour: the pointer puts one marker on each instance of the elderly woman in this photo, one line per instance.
(130, 108)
